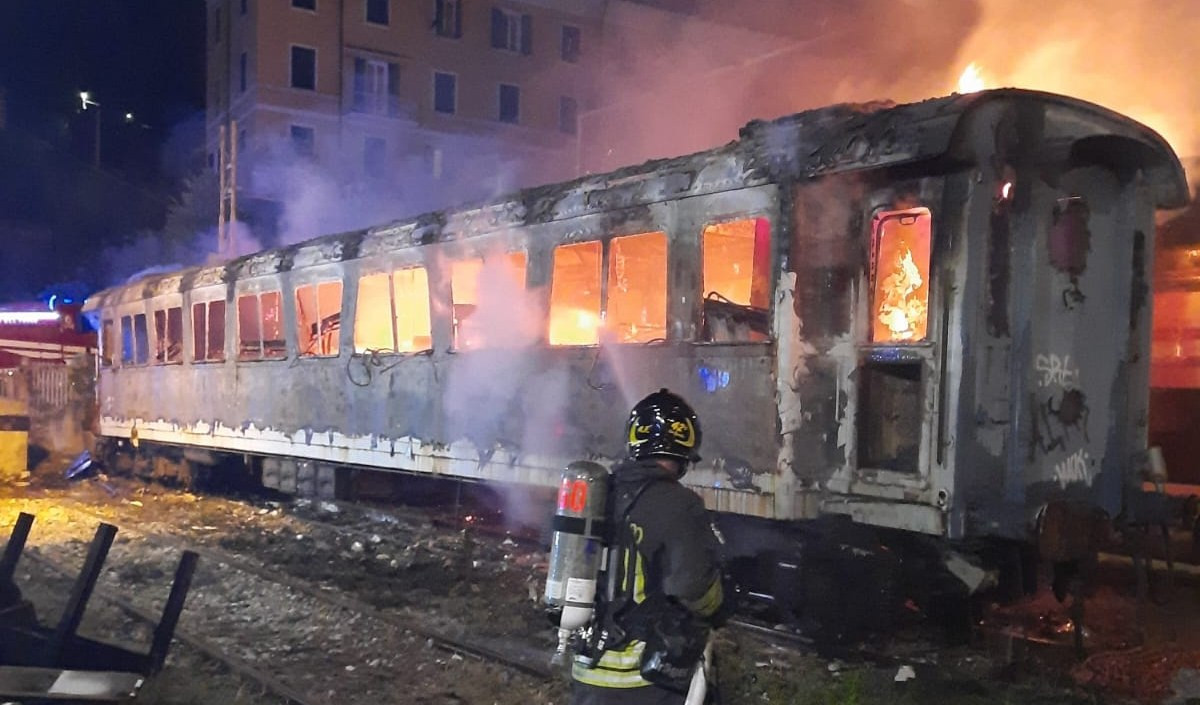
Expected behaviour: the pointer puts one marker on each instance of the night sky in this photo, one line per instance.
(146, 57)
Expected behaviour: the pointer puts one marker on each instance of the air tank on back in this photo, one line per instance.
(576, 549)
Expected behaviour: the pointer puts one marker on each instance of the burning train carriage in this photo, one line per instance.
(930, 317)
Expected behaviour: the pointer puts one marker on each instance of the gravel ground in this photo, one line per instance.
(464, 583)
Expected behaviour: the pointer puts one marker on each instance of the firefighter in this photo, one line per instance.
(664, 576)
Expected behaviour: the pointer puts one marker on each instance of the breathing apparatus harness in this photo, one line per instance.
(674, 637)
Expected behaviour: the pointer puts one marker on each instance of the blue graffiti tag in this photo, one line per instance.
(713, 379)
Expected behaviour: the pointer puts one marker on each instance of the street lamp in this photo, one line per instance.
(85, 99)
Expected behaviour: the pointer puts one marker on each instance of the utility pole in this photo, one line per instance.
(227, 153)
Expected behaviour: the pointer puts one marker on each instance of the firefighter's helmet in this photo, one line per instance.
(663, 424)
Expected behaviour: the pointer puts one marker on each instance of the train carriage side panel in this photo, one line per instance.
(1055, 332)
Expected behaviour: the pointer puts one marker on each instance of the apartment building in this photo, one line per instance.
(434, 101)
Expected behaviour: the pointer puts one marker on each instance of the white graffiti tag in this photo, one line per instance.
(1056, 371)
(1073, 469)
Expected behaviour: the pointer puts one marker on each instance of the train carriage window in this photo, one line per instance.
(637, 288)
(168, 336)
(373, 315)
(208, 331)
(496, 277)
(889, 415)
(392, 314)
(318, 318)
(900, 276)
(141, 340)
(126, 340)
(736, 281)
(410, 300)
(108, 343)
(260, 326)
(575, 294)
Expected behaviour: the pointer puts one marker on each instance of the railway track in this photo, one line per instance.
(439, 639)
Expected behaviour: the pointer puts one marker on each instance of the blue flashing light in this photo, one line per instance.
(50, 303)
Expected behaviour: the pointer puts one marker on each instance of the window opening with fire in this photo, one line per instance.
(319, 319)
(575, 312)
(472, 280)
(260, 326)
(736, 281)
(168, 336)
(635, 310)
(208, 331)
(900, 276)
(108, 343)
(392, 314)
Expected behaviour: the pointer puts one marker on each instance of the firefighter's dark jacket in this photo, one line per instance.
(674, 535)
(676, 558)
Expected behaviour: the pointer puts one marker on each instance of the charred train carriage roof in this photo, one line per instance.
(806, 145)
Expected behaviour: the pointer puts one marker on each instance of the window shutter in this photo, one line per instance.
(439, 15)
(360, 84)
(499, 29)
(393, 88)
(527, 34)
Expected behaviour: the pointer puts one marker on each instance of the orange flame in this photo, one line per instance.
(971, 79)
(901, 310)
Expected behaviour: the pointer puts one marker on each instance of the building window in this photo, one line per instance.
(303, 140)
(445, 92)
(260, 326)
(512, 31)
(376, 87)
(208, 331)
(244, 4)
(216, 31)
(305, 4)
(570, 44)
(304, 68)
(168, 336)
(447, 18)
(375, 157)
(242, 72)
(493, 280)
(510, 104)
(377, 11)
(568, 115)
(736, 261)
(319, 319)
(900, 276)
(392, 314)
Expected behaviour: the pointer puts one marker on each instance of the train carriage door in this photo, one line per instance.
(893, 401)
(1080, 369)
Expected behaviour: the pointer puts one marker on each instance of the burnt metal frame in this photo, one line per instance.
(62, 647)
